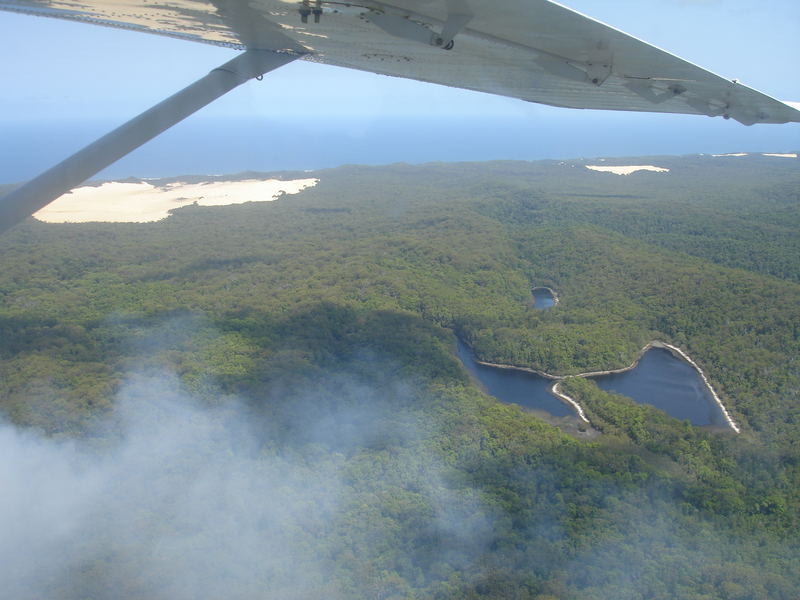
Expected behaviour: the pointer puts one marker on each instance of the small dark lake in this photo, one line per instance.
(659, 379)
(542, 298)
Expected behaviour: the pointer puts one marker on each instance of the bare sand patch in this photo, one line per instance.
(116, 202)
(731, 154)
(627, 170)
(786, 155)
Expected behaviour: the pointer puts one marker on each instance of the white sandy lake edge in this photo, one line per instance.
(116, 202)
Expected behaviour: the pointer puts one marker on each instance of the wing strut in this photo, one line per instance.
(40, 191)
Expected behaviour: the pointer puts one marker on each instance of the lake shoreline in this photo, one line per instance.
(674, 350)
(556, 391)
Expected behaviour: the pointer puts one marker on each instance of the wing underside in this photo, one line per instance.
(534, 50)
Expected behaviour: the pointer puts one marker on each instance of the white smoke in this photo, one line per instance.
(179, 500)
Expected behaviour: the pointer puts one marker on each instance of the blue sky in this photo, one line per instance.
(64, 71)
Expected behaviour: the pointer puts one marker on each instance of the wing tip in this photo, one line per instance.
(795, 106)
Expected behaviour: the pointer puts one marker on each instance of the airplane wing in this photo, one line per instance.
(534, 50)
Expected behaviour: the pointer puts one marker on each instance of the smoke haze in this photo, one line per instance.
(334, 488)
(180, 500)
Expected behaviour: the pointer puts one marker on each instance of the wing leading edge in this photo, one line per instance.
(534, 50)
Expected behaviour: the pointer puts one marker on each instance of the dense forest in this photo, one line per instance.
(265, 401)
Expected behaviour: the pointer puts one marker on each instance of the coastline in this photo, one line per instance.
(678, 352)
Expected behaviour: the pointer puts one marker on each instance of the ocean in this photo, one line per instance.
(221, 146)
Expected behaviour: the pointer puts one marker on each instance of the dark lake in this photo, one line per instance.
(515, 387)
(659, 379)
(542, 298)
(668, 383)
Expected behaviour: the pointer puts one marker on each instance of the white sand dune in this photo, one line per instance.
(627, 170)
(116, 202)
(787, 155)
(731, 154)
